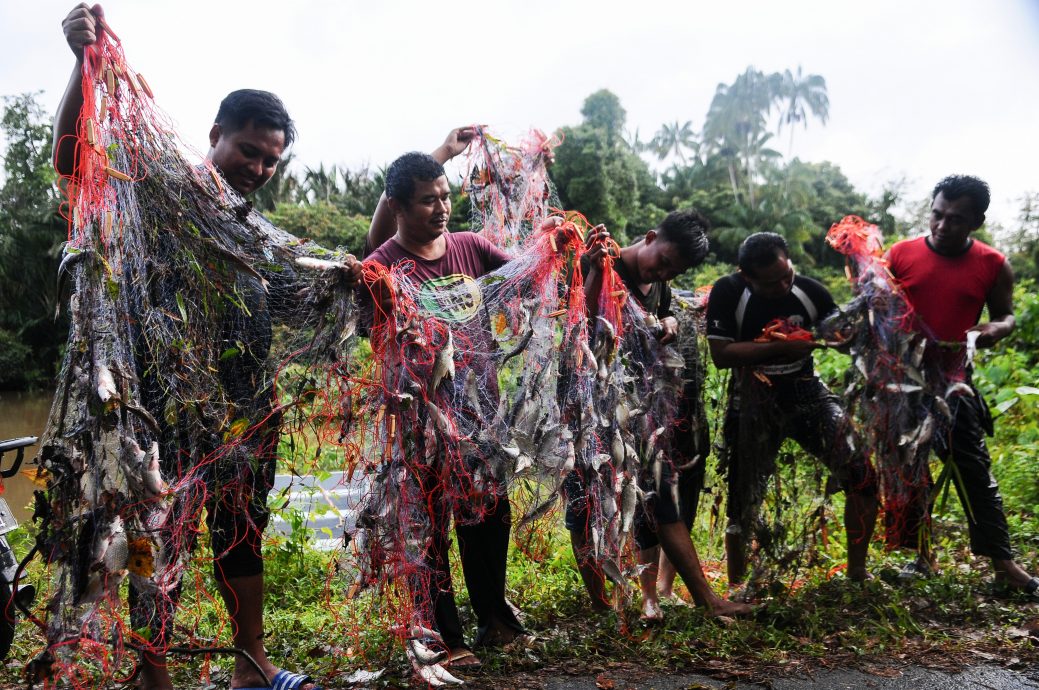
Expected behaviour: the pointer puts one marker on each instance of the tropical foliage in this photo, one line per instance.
(728, 165)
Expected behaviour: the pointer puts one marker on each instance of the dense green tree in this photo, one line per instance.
(31, 235)
(598, 173)
(602, 110)
(1022, 242)
(323, 222)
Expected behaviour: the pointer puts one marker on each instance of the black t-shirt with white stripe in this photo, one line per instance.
(734, 313)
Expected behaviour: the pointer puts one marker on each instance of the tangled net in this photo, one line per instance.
(509, 187)
(900, 391)
(201, 333)
(519, 391)
(166, 401)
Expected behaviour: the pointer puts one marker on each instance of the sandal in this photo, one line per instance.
(286, 680)
(914, 570)
(463, 658)
(1030, 591)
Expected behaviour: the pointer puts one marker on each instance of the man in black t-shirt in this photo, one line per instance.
(775, 395)
(645, 267)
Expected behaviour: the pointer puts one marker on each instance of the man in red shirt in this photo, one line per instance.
(948, 278)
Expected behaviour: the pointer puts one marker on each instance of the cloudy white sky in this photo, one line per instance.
(918, 88)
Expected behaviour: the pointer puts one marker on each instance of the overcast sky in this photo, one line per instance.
(918, 89)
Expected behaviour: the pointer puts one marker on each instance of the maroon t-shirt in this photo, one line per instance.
(468, 257)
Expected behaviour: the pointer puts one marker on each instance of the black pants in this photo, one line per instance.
(483, 542)
(761, 416)
(979, 494)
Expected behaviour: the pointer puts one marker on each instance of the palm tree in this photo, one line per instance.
(803, 94)
(735, 125)
(320, 184)
(674, 139)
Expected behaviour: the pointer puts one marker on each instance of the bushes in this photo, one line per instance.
(14, 361)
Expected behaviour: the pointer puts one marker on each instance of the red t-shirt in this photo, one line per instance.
(948, 293)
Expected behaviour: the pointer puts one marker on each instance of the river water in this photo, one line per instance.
(22, 414)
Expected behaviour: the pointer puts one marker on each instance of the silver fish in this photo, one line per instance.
(943, 407)
(902, 388)
(629, 499)
(106, 388)
(523, 462)
(113, 550)
(153, 483)
(423, 654)
(610, 570)
(617, 449)
(444, 365)
(918, 352)
(318, 264)
(538, 511)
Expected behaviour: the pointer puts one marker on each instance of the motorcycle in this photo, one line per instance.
(12, 595)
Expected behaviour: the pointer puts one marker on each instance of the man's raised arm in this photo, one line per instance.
(383, 225)
(81, 28)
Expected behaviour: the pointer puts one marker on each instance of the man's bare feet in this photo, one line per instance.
(651, 612)
(732, 609)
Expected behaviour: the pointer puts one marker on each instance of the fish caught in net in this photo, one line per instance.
(899, 389)
(202, 335)
(168, 399)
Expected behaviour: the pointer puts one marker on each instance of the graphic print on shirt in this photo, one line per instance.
(455, 298)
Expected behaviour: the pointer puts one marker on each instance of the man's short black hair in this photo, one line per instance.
(761, 250)
(687, 230)
(262, 108)
(408, 169)
(956, 187)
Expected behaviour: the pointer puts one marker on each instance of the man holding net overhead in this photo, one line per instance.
(418, 202)
(247, 140)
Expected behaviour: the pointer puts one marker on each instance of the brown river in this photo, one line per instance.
(22, 414)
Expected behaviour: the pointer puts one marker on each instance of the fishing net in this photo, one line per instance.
(509, 188)
(201, 335)
(174, 383)
(899, 389)
(499, 382)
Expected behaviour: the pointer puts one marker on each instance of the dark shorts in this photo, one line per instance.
(760, 417)
(236, 509)
(660, 507)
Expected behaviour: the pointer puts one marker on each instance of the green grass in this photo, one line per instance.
(807, 617)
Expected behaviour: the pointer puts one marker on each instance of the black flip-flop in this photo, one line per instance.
(1030, 591)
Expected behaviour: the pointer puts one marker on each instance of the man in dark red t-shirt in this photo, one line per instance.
(419, 198)
(948, 278)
